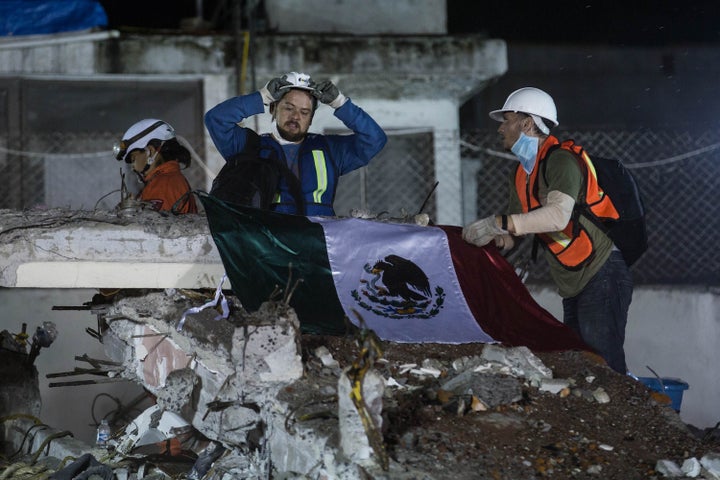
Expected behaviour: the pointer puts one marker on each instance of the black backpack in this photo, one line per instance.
(250, 180)
(628, 232)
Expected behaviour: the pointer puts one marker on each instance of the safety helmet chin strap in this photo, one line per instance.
(140, 176)
(150, 161)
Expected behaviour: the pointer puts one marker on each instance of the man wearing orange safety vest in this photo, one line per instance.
(588, 269)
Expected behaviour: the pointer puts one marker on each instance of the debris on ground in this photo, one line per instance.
(249, 396)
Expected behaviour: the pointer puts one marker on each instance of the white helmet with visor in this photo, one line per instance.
(140, 134)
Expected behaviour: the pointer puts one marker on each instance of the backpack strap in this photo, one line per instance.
(293, 182)
(256, 170)
(580, 208)
(577, 208)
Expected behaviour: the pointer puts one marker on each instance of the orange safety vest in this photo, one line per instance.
(572, 246)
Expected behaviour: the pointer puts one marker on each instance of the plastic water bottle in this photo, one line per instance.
(103, 434)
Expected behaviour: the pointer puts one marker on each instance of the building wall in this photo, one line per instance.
(596, 86)
(404, 82)
(358, 17)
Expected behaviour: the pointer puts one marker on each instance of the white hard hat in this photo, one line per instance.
(532, 101)
(298, 80)
(140, 134)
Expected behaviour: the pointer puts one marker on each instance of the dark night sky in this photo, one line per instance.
(657, 23)
(570, 21)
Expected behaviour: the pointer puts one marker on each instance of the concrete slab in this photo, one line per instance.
(82, 249)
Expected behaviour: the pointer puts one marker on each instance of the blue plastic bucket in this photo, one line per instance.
(674, 388)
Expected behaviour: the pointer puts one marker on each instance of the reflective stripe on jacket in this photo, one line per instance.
(317, 172)
(572, 247)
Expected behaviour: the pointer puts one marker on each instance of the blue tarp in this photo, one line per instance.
(33, 17)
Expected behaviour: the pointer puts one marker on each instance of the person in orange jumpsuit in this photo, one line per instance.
(152, 148)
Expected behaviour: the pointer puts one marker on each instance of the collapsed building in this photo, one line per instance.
(220, 374)
(244, 394)
(239, 392)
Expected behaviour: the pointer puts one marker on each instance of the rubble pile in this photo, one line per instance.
(246, 395)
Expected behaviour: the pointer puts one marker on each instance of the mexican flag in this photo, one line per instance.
(405, 282)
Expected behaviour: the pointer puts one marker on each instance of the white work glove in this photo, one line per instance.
(272, 92)
(329, 94)
(482, 232)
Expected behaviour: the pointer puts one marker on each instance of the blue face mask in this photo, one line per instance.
(526, 149)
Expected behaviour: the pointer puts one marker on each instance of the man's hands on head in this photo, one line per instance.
(325, 91)
(272, 91)
(328, 93)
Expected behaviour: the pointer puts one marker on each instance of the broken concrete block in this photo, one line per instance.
(691, 467)
(83, 249)
(177, 396)
(233, 425)
(711, 463)
(235, 464)
(554, 385)
(467, 363)
(267, 348)
(326, 357)
(354, 440)
(668, 468)
(492, 389)
(600, 395)
(152, 426)
(520, 359)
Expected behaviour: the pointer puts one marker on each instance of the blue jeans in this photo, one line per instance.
(599, 312)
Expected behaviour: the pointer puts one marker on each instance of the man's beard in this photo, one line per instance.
(290, 137)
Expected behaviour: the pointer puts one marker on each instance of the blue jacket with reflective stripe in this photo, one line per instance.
(322, 159)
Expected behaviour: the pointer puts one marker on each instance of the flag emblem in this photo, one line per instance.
(395, 287)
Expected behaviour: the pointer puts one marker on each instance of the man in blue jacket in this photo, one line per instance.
(311, 164)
